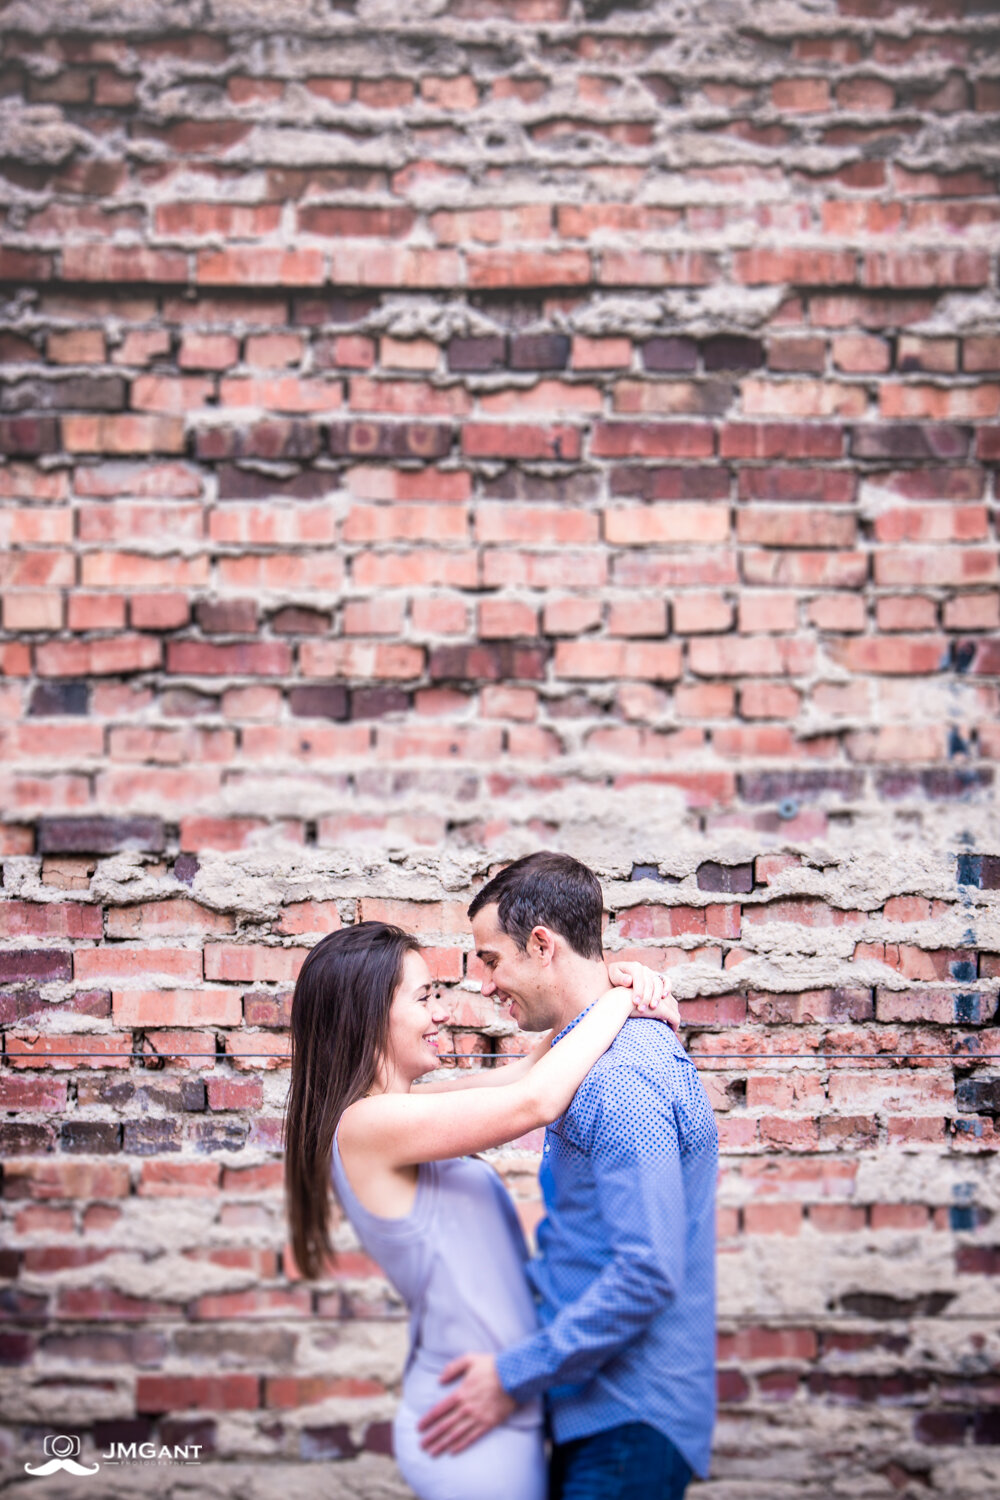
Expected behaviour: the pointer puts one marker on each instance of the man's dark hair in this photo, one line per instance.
(547, 890)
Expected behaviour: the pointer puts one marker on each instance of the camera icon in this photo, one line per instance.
(61, 1445)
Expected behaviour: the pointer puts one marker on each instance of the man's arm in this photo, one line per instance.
(640, 1198)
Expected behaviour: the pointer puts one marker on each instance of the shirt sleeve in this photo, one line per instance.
(633, 1142)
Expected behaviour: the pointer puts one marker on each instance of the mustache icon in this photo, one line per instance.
(55, 1464)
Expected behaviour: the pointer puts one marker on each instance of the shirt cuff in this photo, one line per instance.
(520, 1371)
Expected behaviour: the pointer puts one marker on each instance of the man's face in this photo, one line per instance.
(519, 980)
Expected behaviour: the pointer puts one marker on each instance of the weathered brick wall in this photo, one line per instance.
(430, 437)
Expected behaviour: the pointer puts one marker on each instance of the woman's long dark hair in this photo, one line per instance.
(340, 1031)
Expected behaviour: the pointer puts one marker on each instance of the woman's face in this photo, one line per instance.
(414, 1018)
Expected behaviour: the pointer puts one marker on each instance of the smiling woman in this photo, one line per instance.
(364, 1026)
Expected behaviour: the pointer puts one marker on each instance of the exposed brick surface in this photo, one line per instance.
(570, 417)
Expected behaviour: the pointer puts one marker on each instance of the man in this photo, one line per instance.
(625, 1274)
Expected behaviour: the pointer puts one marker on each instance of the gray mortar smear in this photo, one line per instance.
(856, 873)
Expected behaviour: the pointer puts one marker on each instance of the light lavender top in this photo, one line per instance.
(458, 1261)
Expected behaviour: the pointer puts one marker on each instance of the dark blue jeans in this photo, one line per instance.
(631, 1462)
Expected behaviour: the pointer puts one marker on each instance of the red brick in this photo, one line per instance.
(502, 618)
(253, 265)
(247, 963)
(498, 440)
(111, 657)
(605, 658)
(242, 659)
(900, 269)
(122, 263)
(801, 95)
(207, 351)
(152, 1008)
(123, 433)
(523, 268)
(652, 440)
(644, 525)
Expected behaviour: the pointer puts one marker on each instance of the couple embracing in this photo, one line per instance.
(605, 1341)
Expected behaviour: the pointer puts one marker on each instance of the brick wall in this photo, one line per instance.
(521, 424)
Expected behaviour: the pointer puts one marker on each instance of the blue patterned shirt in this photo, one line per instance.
(625, 1274)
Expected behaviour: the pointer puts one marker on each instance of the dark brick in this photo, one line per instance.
(491, 663)
(151, 1137)
(731, 1385)
(881, 1306)
(378, 1439)
(730, 352)
(989, 874)
(296, 620)
(23, 1005)
(52, 700)
(218, 1134)
(986, 1428)
(186, 867)
(941, 1427)
(670, 355)
(42, 964)
(194, 1095)
(338, 310)
(321, 700)
(248, 484)
(227, 616)
(93, 1089)
(188, 1432)
(100, 835)
(326, 1442)
(375, 702)
(555, 489)
(19, 1138)
(475, 356)
(270, 438)
(14, 349)
(732, 879)
(124, 1430)
(940, 783)
(29, 435)
(539, 351)
(704, 482)
(978, 1260)
(801, 786)
(97, 1136)
(975, 1009)
(75, 393)
(360, 439)
(910, 440)
(987, 658)
(969, 869)
(266, 1009)
(16, 1348)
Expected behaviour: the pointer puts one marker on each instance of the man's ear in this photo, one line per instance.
(542, 944)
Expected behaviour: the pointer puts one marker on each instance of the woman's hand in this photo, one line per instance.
(652, 995)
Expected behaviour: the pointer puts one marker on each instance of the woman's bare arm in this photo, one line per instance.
(403, 1129)
(645, 984)
(485, 1078)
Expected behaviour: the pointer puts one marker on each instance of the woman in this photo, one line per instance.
(439, 1221)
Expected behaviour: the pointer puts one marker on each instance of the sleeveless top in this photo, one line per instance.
(458, 1261)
